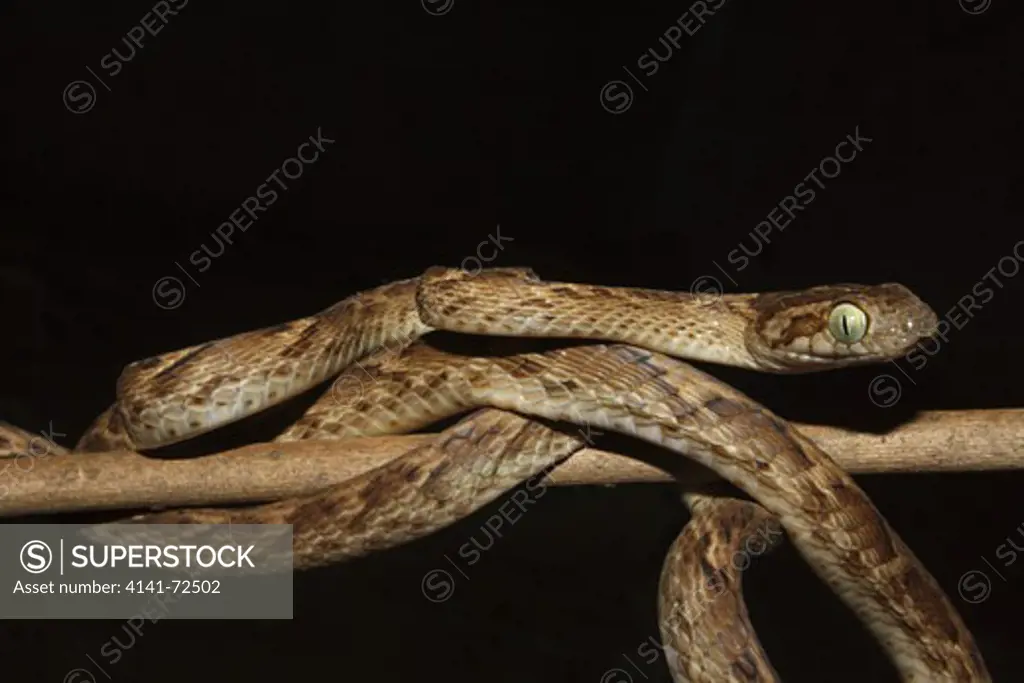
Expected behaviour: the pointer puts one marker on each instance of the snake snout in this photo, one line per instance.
(926, 324)
(921, 322)
(908, 319)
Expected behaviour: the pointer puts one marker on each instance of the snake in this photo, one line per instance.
(635, 382)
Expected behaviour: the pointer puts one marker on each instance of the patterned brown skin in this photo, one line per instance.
(16, 442)
(825, 514)
(624, 388)
(764, 332)
(425, 490)
(786, 320)
(705, 628)
(182, 394)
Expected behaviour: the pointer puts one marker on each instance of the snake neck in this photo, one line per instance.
(715, 329)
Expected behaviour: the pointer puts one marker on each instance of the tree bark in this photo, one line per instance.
(49, 480)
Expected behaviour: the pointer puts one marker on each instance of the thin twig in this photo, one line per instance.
(938, 441)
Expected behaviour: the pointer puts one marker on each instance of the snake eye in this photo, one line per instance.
(847, 323)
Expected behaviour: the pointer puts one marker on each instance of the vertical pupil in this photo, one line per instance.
(846, 326)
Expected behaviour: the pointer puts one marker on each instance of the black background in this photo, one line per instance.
(446, 127)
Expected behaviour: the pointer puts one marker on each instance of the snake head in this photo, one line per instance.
(837, 326)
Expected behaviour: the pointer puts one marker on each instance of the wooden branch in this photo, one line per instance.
(940, 441)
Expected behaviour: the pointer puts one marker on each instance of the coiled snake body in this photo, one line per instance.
(631, 386)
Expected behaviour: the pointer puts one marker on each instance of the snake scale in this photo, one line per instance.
(631, 383)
